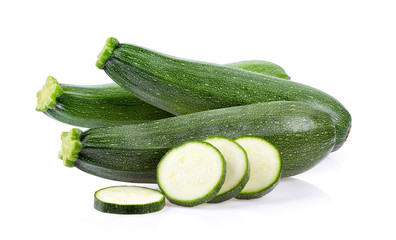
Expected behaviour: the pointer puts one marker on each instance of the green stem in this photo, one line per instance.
(71, 147)
(46, 97)
(106, 52)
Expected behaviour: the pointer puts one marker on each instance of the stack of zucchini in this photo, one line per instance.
(204, 132)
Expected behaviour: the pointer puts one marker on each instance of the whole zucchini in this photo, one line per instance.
(181, 86)
(303, 134)
(111, 105)
(94, 106)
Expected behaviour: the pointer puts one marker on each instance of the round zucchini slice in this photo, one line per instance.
(265, 166)
(191, 174)
(128, 200)
(237, 167)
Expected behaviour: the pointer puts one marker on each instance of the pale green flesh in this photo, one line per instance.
(128, 200)
(236, 162)
(128, 195)
(264, 161)
(191, 172)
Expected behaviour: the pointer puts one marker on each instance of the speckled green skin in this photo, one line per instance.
(182, 86)
(120, 163)
(103, 105)
(303, 134)
(111, 105)
(130, 208)
(263, 67)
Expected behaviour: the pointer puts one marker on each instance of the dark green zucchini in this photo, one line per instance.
(181, 86)
(263, 67)
(109, 104)
(303, 134)
(94, 106)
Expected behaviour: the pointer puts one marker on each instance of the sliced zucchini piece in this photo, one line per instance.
(237, 167)
(128, 200)
(265, 166)
(191, 173)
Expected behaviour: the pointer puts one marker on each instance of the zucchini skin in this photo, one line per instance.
(183, 86)
(303, 134)
(263, 67)
(127, 209)
(103, 105)
(110, 105)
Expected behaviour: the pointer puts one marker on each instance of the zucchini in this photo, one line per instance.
(191, 174)
(303, 134)
(265, 167)
(263, 67)
(237, 167)
(94, 106)
(109, 104)
(181, 86)
(128, 200)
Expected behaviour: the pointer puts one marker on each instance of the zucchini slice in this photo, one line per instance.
(237, 167)
(191, 174)
(128, 200)
(265, 166)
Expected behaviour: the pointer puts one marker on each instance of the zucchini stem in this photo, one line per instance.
(46, 97)
(71, 147)
(107, 51)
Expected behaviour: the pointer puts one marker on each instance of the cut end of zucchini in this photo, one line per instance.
(111, 44)
(71, 147)
(46, 97)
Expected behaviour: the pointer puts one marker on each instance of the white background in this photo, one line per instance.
(345, 48)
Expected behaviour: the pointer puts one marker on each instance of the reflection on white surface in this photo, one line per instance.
(295, 190)
(291, 194)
